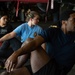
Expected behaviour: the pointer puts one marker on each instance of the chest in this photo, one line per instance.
(63, 42)
(3, 30)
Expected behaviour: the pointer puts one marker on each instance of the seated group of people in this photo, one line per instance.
(8, 39)
(51, 51)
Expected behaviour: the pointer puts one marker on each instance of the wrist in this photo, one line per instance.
(15, 54)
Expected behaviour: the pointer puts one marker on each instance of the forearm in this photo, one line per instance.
(28, 47)
(7, 36)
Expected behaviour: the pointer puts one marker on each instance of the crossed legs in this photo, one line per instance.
(38, 59)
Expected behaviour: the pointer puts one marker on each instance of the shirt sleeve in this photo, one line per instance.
(18, 30)
(40, 30)
(47, 34)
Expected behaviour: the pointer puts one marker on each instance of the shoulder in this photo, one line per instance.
(38, 27)
(52, 30)
(22, 25)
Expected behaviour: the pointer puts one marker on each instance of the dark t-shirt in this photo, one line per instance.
(60, 46)
(5, 30)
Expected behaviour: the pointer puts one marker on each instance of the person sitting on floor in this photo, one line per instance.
(5, 46)
(30, 29)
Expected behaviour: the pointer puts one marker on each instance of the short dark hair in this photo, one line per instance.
(66, 14)
(3, 13)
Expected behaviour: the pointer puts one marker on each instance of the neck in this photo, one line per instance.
(30, 24)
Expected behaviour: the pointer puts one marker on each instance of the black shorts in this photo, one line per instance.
(51, 68)
(29, 69)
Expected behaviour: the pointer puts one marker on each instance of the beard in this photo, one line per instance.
(71, 32)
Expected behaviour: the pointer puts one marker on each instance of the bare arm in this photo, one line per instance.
(27, 48)
(32, 45)
(8, 36)
(23, 58)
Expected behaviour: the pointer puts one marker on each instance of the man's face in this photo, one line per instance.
(4, 20)
(71, 23)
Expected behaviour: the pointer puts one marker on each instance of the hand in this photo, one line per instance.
(11, 63)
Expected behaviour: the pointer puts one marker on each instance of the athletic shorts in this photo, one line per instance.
(51, 68)
(29, 69)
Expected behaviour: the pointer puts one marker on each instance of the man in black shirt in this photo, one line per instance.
(5, 46)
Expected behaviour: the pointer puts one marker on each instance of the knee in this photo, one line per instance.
(27, 41)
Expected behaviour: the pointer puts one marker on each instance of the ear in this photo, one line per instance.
(64, 23)
(64, 26)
